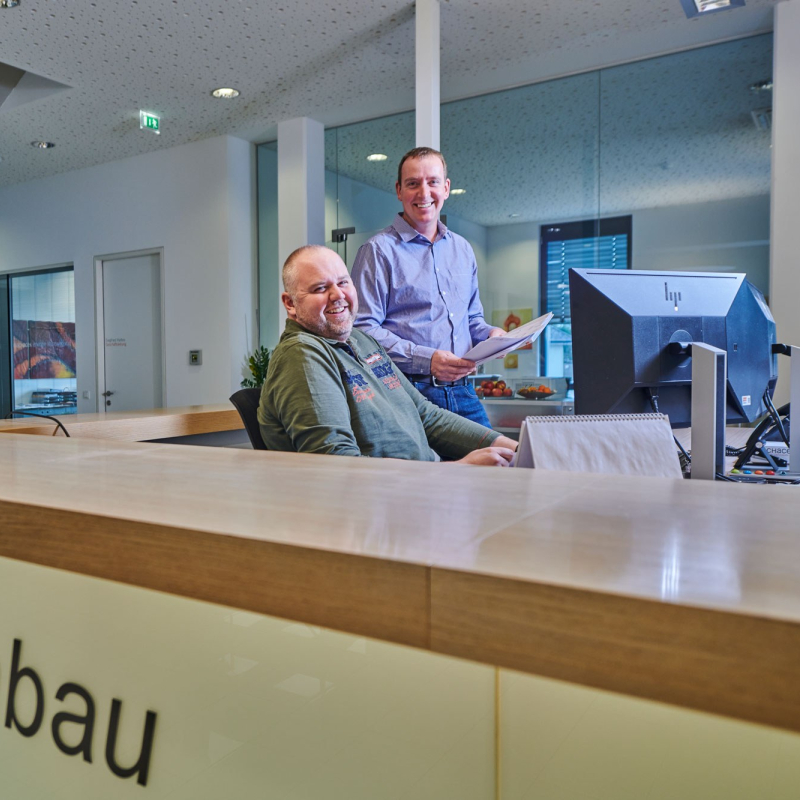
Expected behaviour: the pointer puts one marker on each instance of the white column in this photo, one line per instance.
(427, 66)
(784, 284)
(301, 190)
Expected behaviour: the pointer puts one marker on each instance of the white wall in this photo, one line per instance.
(729, 235)
(195, 201)
(784, 271)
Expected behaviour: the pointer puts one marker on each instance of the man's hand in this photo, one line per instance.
(506, 442)
(446, 366)
(496, 332)
(488, 457)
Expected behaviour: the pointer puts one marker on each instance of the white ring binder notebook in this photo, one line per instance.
(623, 444)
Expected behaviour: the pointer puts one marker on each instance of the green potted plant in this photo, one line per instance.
(258, 364)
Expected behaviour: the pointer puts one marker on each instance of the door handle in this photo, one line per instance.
(107, 394)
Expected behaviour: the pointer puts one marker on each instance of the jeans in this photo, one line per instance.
(461, 400)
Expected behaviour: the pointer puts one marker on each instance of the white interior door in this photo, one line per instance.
(131, 376)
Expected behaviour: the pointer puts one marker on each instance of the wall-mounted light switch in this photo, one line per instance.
(195, 357)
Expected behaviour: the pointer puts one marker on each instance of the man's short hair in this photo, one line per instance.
(420, 152)
(289, 274)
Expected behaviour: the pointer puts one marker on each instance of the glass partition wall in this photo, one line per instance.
(677, 145)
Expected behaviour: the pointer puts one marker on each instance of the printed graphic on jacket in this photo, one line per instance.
(358, 386)
(387, 375)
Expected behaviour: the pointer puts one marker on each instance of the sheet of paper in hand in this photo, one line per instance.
(498, 346)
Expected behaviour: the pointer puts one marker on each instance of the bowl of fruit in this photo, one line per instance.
(493, 389)
(540, 392)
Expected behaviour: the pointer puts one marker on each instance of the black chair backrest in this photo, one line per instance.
(246, 403)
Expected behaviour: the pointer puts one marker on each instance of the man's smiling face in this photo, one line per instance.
(422, 190)
(322, 298)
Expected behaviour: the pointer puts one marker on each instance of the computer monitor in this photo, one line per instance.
(627, 326)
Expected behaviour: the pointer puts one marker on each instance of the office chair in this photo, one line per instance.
(246, 403)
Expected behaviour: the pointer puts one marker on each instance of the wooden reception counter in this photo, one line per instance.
(678, 591)
(134, 426)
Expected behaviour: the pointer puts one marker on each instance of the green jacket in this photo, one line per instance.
(348, 398)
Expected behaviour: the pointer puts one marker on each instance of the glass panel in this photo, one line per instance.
(524, 157)
(359, 193)
(269, 286)
(5, 350)
(564, 741)
(43, 333)
(247, 706)
(685, 148)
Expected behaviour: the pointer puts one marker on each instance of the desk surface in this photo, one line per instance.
(133, 426)
(686, 592)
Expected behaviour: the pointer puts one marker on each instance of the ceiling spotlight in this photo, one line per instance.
(42, 145)
(377, 157)
(761, 86)
(458, 191)
(513, 216)
(225, 92)
(9, 3)
(694, 8)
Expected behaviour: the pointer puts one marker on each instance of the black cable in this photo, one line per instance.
(40, 416)
(654, 405)
(776, 418)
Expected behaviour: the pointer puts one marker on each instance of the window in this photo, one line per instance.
(37, 347)
(592, 243)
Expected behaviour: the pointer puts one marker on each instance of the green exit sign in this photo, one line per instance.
(149, 121)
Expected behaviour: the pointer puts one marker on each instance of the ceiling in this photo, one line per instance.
(345, 60)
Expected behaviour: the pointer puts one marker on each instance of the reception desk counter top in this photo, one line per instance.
(134, 426)
(679, 591)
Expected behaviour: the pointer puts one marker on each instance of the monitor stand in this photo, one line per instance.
(709, 376)
(794, 403)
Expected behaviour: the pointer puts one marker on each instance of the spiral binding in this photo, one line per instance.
(597, 418)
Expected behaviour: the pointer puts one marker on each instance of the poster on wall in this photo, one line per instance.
(511, 318)
(43, 349)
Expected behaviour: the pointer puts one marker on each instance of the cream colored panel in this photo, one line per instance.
(247, 706)
(561, 741)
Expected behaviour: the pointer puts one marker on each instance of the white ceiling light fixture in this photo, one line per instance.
(43, 145)
(377, 157)
(9, 3)
(458, 191)
(226, 93)
(696, 8)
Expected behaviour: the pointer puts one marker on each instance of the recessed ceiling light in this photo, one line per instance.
(458, 191)
(761, 86)
(225, 92)
(9, 3)
(694, 8)
(42, 145)
(513, 216)
(377, 157)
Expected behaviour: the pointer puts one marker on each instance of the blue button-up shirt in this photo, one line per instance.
(416, 297)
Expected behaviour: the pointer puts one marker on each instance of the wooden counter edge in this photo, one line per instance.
(357, 594)
(138, 427)
(730, 664)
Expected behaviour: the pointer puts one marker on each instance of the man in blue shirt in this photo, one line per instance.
(418, 286)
